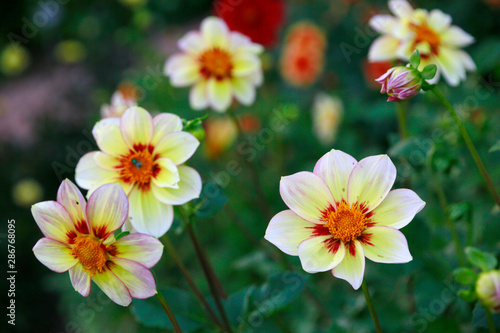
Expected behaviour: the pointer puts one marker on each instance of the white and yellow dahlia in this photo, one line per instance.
(79, 239)
(343, 212)
(218, 64)
(145, 156)
(431, 33)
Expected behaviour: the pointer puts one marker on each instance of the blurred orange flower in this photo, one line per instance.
(302, 59)
(220, 134)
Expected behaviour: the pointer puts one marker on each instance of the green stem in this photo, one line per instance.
(443, 202)
(469, 144)
(261, 203)
(173, 253)
(489, 319)
(213, 282)
(402, 110)
(371, 307)
(168, 311)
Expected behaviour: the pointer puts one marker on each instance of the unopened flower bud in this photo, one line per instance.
(400, 83)
(488, 290)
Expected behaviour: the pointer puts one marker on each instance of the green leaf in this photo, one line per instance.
(479, 317)
(279, 291)
(186, 310)
(465, 276)
(195, 127)
(426, 86)
(495, 147)
(237, 305)
(467, 295)
(429, 72)
(121, 234)
(485, 261)
(212, 199)
(415, 59)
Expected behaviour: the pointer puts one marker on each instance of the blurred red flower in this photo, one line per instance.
(260, 20)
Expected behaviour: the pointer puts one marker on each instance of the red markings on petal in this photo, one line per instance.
(366, 239)
(71, 237)
(101, 232)
(319, 230)
(351, 247)
(82, 227)
(332, 245)
(325, 213)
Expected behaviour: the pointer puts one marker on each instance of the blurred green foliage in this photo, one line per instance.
(121, 41)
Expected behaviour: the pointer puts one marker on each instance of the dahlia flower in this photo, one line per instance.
(219, 64)
(343, 212)
(302, 59)
(260, 20)
(79, 239)
(145, 156)
(431, 33)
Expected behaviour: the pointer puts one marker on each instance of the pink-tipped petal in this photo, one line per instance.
(320, 254)
(53, 220)
(136, 126)
(107, 210)
(189, 188)
(148, 215)
(334, 168)
(307, 195)
(398, 209)
(80, 280)
(113, 287)
(287, 230)
(55, 255)
(164, 124)
(142, 248)
(177, 146)
(73, 201)
(385, 245)
(352, 267)
(137, 278)
(370, 181)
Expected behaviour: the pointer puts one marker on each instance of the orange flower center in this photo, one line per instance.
(346, 222)
(216, 63)
(426, 34)
(138, 167)
(91, 253)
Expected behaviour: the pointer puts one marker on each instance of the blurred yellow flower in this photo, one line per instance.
(14, 60)
(488, 290)
(220, 134)
(70, 52)
(326, 115)
(26, 192)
